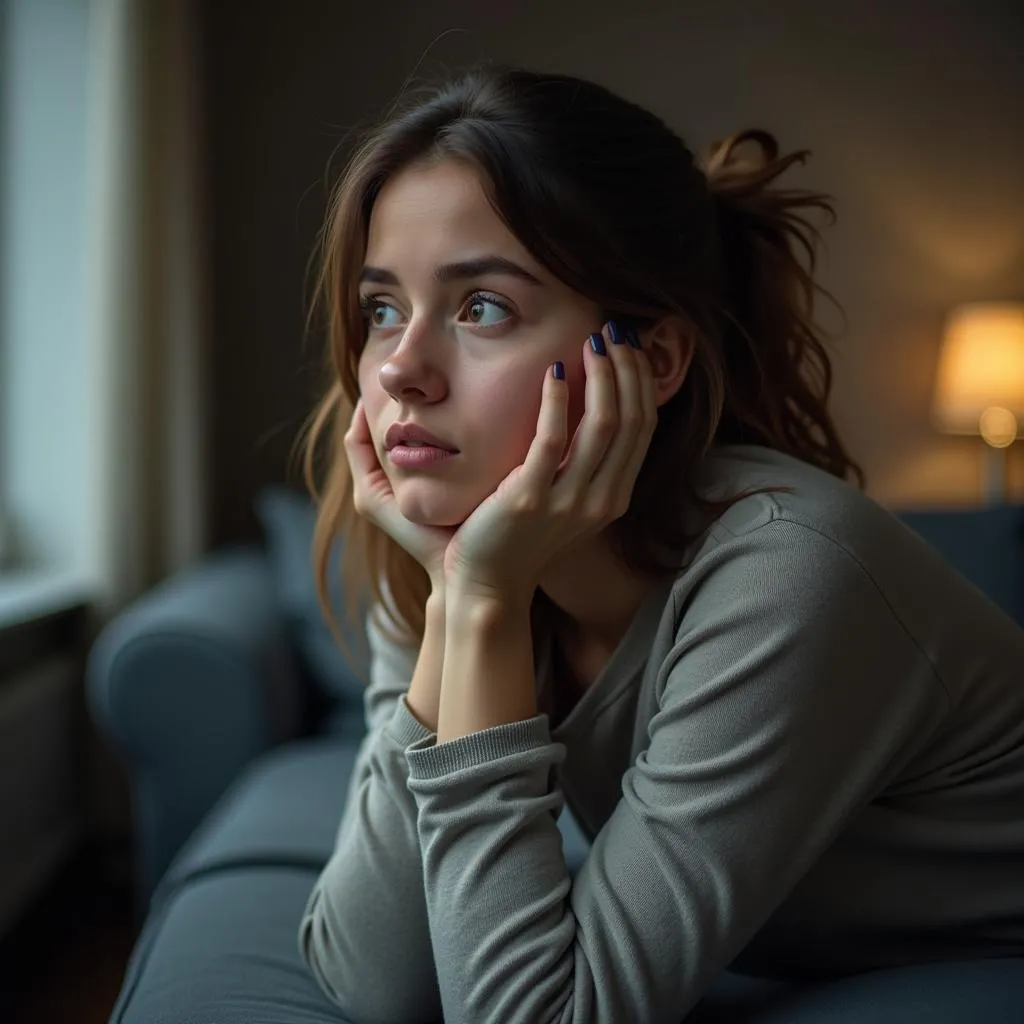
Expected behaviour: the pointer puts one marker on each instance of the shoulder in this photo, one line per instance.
(788, 599)
(810, 552)
(800, 510)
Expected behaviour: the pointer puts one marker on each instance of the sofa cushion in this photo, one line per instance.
(985, 544)
(225, 948)
(282, 810)
(288, 520)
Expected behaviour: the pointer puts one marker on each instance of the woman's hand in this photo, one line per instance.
(373, 498)
(547, 505)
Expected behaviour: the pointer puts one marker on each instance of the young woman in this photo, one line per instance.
(582, 462)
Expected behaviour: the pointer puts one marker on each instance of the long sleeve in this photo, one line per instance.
(364, 932)
(789, 695)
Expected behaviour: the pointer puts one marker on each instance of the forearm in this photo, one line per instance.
(367, 911)
(487, 827)
(487, 677)
(424, 694)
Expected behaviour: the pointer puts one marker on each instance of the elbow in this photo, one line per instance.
(349, 982)
(325, 960)
(315, 950)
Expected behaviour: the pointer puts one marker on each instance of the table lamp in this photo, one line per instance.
(979, 387)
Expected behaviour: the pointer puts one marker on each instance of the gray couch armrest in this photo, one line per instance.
(190, 683)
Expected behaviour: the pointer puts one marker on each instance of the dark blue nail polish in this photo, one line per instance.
(597, 344)
(633, 338)
(559, 370)
(618, 336)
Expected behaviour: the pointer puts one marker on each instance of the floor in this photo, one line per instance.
(66, 960)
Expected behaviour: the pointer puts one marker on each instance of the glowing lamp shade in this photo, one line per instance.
(979, 388)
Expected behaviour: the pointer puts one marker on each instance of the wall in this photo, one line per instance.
(912, 111)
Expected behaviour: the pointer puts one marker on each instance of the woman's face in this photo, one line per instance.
(461, 354)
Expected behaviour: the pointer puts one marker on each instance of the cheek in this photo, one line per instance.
(367, 374)
(374, 397)
(505, 413)
(507, 408)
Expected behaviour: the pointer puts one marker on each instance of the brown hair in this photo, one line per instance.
(611, 201)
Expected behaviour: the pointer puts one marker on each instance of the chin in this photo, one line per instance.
(430, 505)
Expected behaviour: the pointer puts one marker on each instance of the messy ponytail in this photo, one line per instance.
(777, 368)
(610, 200)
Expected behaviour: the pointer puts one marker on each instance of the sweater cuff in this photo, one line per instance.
(405, 728)
(428, 759)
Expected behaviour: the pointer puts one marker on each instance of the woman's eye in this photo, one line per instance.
(480, 310)
(372, 308)
(477, 310)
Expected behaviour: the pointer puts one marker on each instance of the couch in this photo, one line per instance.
(238, 719)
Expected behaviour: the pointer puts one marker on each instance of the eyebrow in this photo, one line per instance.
(447, 272)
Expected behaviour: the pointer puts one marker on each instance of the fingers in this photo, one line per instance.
(609, 446)
(596, 431)
(612, 484)
(614, 435)
(357, 437)
(358, 422)
(368, 475)
(548, 445)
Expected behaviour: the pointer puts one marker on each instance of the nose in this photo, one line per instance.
(411, 374)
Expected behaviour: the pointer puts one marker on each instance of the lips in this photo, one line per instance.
(412, 433)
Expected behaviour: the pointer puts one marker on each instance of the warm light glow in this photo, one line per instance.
(979, 388)
(998, 426)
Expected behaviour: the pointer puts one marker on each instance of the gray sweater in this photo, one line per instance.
(805, 758)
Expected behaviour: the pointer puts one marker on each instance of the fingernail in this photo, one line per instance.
(558, 369)
(633, 338)
(618, 337)
(597, 344)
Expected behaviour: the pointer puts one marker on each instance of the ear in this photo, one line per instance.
(669, 344)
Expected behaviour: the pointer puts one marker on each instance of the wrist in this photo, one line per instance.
(435, 606)
(475, 610)
(424, 694)
(482, 599)
(437, 586)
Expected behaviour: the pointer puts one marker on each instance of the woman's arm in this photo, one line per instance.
(364, 932)
(790, 692)
(487, 677)
(424, 695)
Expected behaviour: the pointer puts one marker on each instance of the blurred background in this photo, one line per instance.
(165, 170)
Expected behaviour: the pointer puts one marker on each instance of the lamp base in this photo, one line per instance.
(995, 474)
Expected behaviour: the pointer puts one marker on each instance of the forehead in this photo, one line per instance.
(434, 213)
